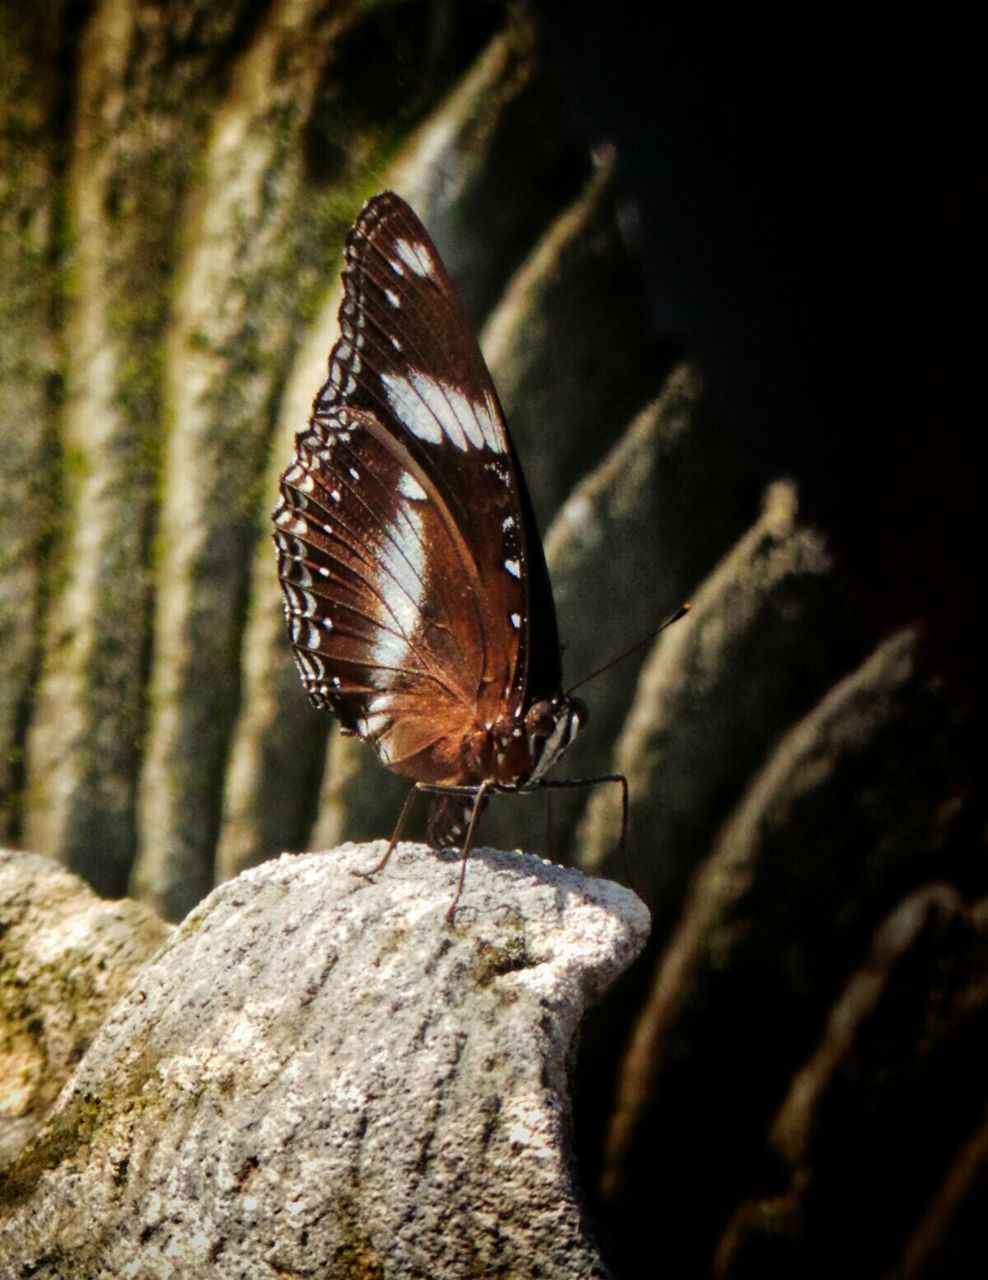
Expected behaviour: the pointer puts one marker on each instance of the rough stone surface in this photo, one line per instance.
(66, 957)
(318, 1077)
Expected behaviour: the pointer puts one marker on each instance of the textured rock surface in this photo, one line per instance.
(317, 1077)
(66, 957)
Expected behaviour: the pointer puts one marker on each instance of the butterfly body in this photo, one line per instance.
(418, 601)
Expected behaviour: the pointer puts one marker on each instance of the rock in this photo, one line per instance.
(317, 1076)
(66, 957)
(861, 801)
(951, 1230)
(768, 635)
(890, 1095)
(29, 287)
(145, 94)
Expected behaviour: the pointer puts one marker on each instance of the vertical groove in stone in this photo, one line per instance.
(232, 328)
(134, 135)
(29, 196)
(727, 673)
(862, 801)
(918, 999)
(268, 790)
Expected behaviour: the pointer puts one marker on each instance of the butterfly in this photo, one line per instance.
(415, 586)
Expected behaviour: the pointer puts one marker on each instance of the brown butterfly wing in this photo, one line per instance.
(407, 547)
(372, 571)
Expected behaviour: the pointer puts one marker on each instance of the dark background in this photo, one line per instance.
(803, 187)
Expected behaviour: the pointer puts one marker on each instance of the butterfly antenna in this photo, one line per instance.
(681, 612)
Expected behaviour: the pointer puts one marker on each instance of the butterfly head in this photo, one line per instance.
(551, 724)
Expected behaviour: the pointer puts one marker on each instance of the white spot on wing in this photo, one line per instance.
(372, 725)
(513, 567)
(431, 409)
(407, 405)
(516, 620)
(488, 423)
(436, 396)
(416, 257)
(403, 587)
(392, 297)
(466, 415)
(411, 488)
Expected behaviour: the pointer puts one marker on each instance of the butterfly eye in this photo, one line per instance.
(540, 720)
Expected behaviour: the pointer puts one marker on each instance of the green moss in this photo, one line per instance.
(67, 1133)
(76, 465)
(490, 962)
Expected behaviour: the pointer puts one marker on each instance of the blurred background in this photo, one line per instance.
(721, 267)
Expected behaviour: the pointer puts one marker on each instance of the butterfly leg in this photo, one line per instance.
(478, 808)
(566, 784)
(396, 836)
